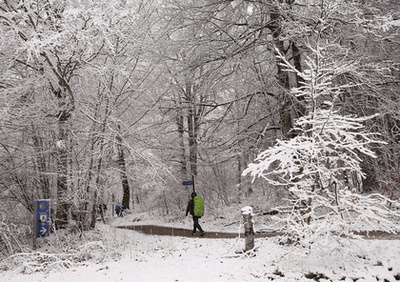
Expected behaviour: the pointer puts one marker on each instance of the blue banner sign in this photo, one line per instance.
(42, 218)
(186, 183)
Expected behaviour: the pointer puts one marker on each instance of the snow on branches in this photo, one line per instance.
(326, 148)
(320, 166)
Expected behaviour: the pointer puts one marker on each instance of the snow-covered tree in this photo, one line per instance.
(84, 64)
(317, 165)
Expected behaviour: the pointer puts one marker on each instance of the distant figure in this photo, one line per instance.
(118, 210)
(191, 209)
(102, 209)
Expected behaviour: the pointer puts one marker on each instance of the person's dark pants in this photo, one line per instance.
(196, 224)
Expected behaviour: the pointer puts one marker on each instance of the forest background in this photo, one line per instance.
(106, 101)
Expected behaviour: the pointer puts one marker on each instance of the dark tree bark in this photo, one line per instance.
(41, 164)
(282, 77)
(66, 106)
(123, 174)
(181, 134)
(62, 170)
(193, 133)
(193, 123)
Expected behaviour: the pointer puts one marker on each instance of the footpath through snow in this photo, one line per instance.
(181, 232)
(128, 255)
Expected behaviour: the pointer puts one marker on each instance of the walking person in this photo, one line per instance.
(196, 212)
(118, 210)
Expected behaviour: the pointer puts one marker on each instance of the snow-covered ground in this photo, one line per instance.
(126, 255)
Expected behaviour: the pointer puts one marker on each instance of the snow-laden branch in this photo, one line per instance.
(321, 165)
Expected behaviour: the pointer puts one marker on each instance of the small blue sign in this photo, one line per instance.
(43, 218)
(186, 183)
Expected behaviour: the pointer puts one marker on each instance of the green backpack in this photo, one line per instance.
(198, 206)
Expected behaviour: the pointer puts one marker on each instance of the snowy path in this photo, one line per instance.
(172, 231)
(181, 232)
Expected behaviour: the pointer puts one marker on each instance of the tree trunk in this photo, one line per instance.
(286, 111)
(41, 164)
(282, 77)
(65, 106)
(192, 131)
(93, 212)
(296, 54)
(62, 170)
(95, 201)
(122, 168)
(88, 180)
(181, 130)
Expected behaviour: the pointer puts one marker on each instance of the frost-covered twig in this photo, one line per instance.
(38, 261)
(9, 241)
(317, 164)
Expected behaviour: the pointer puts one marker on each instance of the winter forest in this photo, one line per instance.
(291, 107)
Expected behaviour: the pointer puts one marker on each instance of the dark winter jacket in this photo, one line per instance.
(190, 207)
(117, 209)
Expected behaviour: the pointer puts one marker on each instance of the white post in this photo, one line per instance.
(247, 213)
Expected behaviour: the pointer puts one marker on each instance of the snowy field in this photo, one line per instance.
(125, 255)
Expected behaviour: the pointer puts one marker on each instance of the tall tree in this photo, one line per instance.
(35, 33)
(211, 45)
(56, 41)
(314, 165)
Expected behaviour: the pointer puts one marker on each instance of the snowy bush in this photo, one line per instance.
(320, 166)
(28, 263)
(10, 239)
(63, 251)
